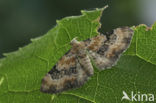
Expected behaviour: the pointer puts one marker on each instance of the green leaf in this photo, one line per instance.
(21, 71)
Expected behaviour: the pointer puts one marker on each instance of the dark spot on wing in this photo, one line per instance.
(55, 74)
(73, 70)
(53, 69)
(127, 40)
(103, 49)
(52, 89)
(68, 84)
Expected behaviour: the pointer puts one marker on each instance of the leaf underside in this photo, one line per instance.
(21, 71)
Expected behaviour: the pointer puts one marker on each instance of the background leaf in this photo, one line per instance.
(21, 71)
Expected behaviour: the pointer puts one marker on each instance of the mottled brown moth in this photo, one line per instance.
(75, 67)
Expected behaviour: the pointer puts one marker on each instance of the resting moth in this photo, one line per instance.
(75, 67)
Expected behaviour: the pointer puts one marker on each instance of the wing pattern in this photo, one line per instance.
(75, 67)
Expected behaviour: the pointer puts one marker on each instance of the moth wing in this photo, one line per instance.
(71, 71)
(105, 52)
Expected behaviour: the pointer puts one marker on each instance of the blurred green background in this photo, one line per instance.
(21, 20)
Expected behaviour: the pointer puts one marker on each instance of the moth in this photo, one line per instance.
(75, 67)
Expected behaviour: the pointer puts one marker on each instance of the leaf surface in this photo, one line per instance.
(21, 71)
